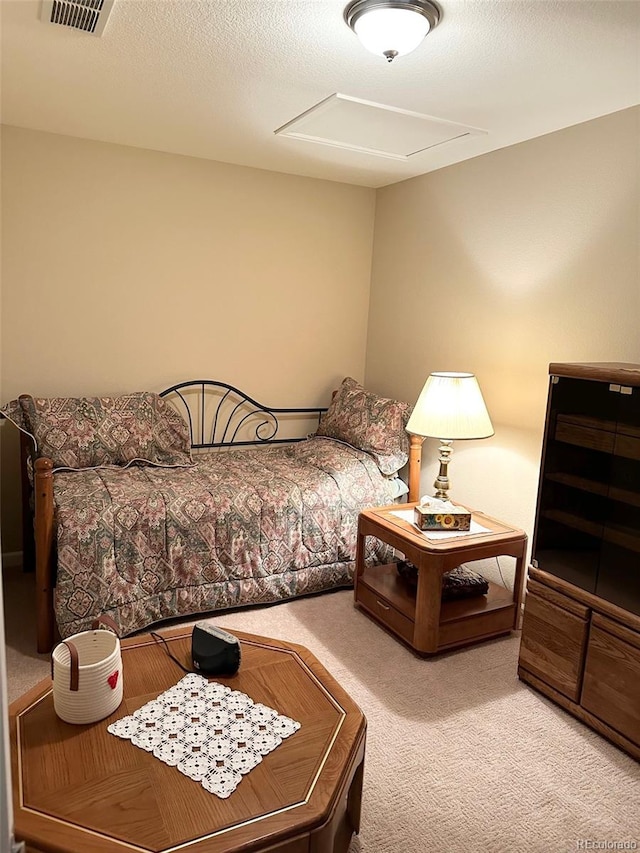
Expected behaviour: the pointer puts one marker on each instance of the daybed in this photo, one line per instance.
(135, 516)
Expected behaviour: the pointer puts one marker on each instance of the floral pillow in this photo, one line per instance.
(370, 423)
(94, 432)
(13, 412)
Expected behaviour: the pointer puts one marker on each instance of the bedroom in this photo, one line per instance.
(135, 268)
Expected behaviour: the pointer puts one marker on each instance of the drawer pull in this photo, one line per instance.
(380, 604)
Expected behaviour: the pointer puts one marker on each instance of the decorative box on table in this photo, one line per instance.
(436, 514)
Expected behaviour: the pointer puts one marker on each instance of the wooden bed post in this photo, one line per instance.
(28, 542)
(415, 460)
(44, 552)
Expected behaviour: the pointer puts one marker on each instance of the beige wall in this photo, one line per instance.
(126, 269)
(499, 266)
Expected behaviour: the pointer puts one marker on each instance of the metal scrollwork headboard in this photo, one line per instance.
(220, 415)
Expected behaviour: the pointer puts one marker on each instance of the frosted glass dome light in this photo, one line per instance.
(391, 28)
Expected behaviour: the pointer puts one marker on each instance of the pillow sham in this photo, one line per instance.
(96, 432)
(13, 412)
(370, 423)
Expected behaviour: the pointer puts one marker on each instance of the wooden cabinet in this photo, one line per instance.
(587, 528)
(611, 687)
(581, 628)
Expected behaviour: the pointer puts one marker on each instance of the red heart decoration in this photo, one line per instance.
(113, 679)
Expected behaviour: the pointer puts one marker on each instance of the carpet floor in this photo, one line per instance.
(461, 756)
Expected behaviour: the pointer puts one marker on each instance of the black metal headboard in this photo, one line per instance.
(220, 415)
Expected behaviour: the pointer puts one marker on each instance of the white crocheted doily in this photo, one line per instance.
(211, 733)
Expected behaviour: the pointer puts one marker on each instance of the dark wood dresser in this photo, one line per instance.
(581, 629)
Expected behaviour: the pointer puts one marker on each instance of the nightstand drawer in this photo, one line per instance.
(384, 612)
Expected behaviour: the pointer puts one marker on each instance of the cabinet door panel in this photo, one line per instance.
(611, 689)
(553, 645)
(619, 570)
(582, 400)
(619, 577)
(587, 543)
(574, 485)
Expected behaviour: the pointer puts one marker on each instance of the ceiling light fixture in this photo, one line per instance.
(391, 28)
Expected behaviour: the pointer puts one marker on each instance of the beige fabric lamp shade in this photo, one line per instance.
(451, 406)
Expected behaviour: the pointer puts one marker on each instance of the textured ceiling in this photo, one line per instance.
(215, 78)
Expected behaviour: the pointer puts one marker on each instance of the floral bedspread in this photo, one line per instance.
(240, 527)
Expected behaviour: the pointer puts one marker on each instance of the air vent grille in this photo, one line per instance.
(90, 16)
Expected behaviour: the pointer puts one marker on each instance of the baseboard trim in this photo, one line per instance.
(11, 559)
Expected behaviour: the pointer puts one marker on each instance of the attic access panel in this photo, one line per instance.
(356, 125)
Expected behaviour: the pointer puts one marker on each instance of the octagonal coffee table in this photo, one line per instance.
(79, 789)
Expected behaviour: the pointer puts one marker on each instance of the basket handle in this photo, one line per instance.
(106, 620)
(74, 672)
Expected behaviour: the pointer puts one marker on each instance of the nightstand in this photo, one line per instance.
(419, 617)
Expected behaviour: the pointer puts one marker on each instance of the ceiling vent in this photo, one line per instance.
(90, 16)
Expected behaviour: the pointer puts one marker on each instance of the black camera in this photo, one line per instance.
(213, 651)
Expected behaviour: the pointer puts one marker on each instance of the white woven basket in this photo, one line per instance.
(87, 676)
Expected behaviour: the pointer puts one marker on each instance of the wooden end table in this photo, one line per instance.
(418, 616)
(79, 789)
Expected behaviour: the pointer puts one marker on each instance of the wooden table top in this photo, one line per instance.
(498, 532)
(79, 789)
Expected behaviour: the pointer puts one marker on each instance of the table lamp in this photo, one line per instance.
(450, 407)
